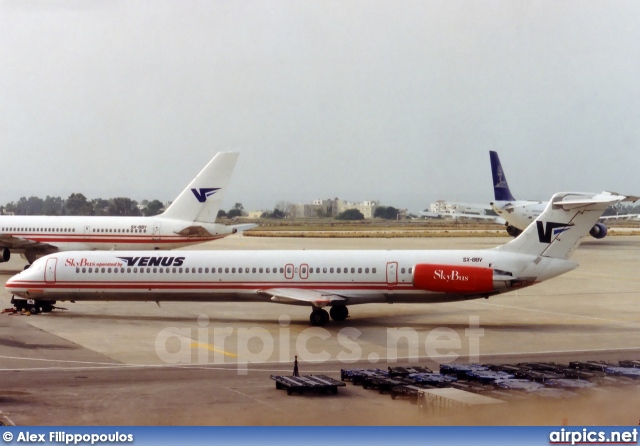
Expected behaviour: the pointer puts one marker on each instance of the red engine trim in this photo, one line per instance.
(453, 279)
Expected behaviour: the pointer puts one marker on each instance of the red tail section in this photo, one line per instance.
(453, 279)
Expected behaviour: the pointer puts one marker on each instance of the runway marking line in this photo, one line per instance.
(254, 398)
(212, 348)
(599, 319)
(209, 347)
(5, 420)
(605, 276)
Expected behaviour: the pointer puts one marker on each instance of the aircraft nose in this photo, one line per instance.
(12, 284)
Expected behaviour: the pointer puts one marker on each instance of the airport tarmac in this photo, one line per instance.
(134, 363)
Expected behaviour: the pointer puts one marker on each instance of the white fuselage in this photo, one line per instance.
(78, 233)
(354, 276)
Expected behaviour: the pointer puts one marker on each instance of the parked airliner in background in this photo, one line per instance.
(519, 214)
(464, 211)
(318, 279)
(190, 219)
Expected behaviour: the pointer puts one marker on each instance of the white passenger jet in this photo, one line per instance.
(518, 214)
(318, 279)
(190, 219)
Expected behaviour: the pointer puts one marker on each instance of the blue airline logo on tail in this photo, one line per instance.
(552, 229)
(204, 192)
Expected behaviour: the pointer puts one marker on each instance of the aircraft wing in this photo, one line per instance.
(243, 227)
(297, 295)
(620, 217)
(12, 242)
(457, 215)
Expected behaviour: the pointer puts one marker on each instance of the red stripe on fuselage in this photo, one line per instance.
(367, 286)
(52, 239)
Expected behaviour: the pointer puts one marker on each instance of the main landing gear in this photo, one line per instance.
(320, 316)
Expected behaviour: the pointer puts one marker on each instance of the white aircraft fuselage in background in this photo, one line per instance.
(318, 279)
(189, 220)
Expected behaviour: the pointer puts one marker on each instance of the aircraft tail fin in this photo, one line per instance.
(201, 199)
(500, 187)
(566, 220)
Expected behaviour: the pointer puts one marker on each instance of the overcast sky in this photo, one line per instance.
(397, 101)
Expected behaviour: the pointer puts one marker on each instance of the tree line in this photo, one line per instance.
(78, 204)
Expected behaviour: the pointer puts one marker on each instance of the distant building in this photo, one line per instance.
(331, 208)
(367, 208)
(317, 209)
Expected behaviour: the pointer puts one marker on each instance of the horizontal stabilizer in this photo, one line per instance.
(199, 231)
(194, 231)
(243, 227)
(607, 198)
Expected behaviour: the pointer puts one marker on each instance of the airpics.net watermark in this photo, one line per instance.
(242, 346)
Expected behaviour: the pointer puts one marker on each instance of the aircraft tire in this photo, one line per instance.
(339, 313)
(319, 317)
(34, 309)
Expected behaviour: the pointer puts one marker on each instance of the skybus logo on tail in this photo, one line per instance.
(552, 229)
(204, 192)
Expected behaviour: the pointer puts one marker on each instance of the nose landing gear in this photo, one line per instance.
(32, 306)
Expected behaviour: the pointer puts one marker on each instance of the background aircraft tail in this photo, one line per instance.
(501, 190)
(558, 231)
(201, 199)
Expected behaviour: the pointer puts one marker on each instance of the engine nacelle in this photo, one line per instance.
(453, 279)
(6, 255)
(598, 231)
